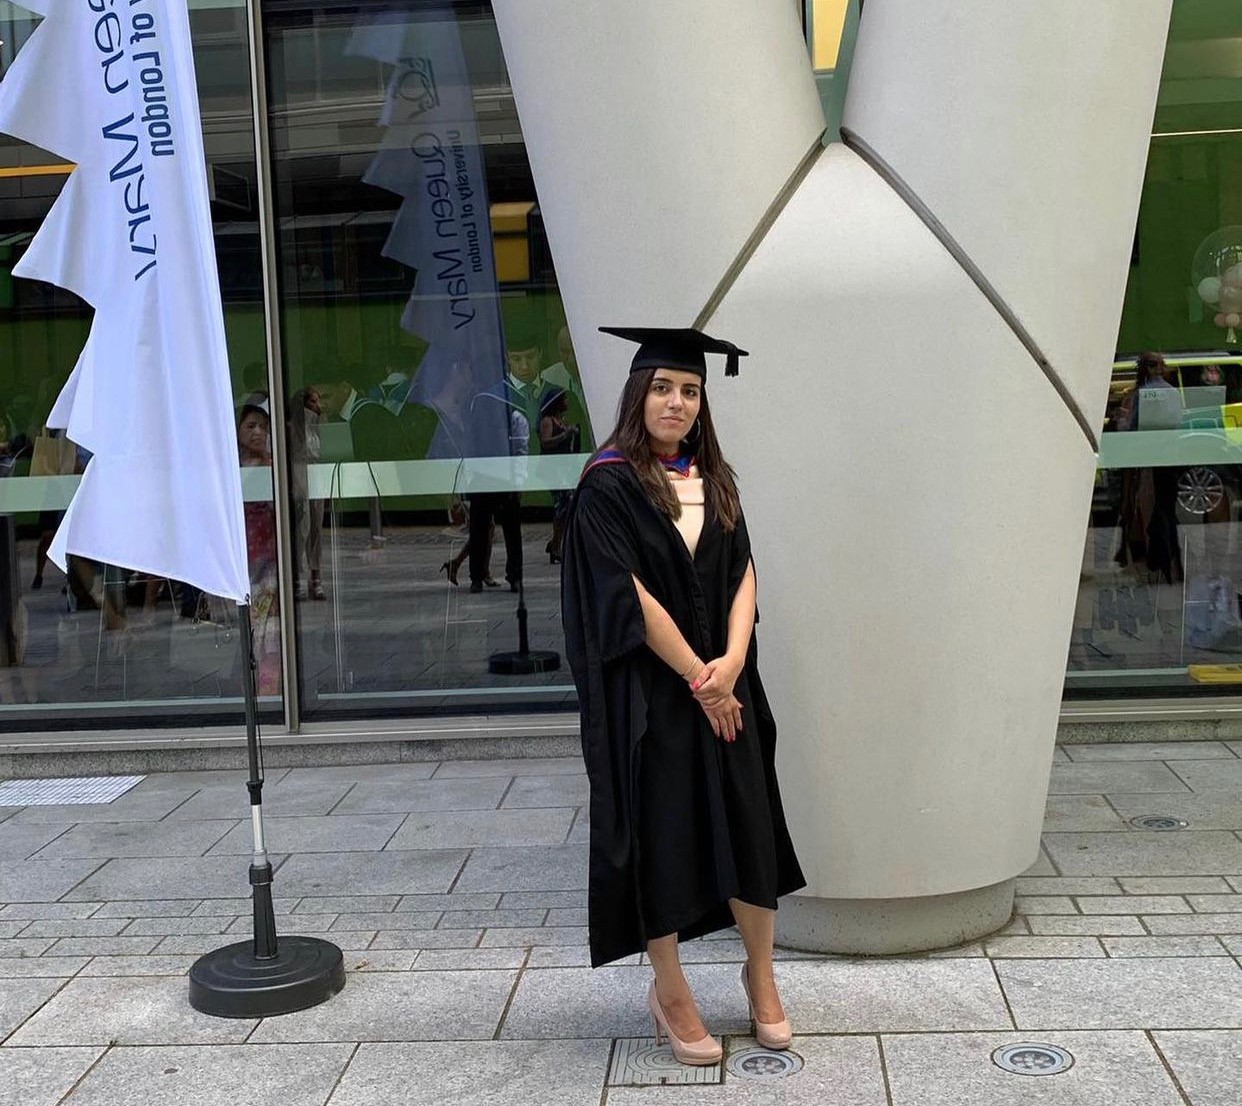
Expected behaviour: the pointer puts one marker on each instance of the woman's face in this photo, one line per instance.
(252, 433)
(673, 402)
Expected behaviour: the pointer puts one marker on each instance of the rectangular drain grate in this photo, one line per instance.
(73, 791)
(637, 1062)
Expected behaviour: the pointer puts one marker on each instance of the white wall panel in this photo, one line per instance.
(1024, 127)
(658, 133)
(917, 496)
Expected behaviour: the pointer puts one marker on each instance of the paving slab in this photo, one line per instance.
(1184, 853)
(379, 920)
(420, 795)
(74, 927)
(1067, 813)
(341, 904)
(1207, 1064)
(21, 841)
(146, 908)
(132, 807)
(536, 766)
(467, 829)
(1058, 885)
(544, 900)
(423, 939)
(843, 1071)
(130, 1010)
(103, 946)
(1164, 925)
(469, 919)
(196, 781)
(41, 1076)
(1044, 904)
(1205, 775)
(1163, 946)
(1133, 904)
(16, 947)
(288, 1075)
(52, 910)
(548, 791)
(1154, 993)
(364, 773)
(443, 960)
(531, 869)
(166, 927)
(313, 834)
(387, 960)
(164, 878)
(1207, 811)
(1150, 750)
(215, 908)
(568, 1073)
(138, 839)
(43, 880)
(1043, 866)
(28, 967)
(1130, 776)
(396, 873)
(153, 963)
(502, 937)
(458, 900)
(1216, 904)
(427, 1006)
(1172, 885)
(19, 998)
(831, 996)
(281, 799)
(1057, 925)
(1040, 948)
(1110, 1069)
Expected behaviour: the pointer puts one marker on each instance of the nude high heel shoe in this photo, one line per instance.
(695, 1053)
(772, 1035)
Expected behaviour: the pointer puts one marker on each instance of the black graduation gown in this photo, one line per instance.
(680, 821)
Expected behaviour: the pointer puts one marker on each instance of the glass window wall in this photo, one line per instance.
(102, 645)
(436, 417)
(1160, 599)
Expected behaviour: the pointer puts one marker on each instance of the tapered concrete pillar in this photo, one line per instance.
(930, 313)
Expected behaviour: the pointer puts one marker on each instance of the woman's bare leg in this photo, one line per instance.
(758, 928)
(673, 992)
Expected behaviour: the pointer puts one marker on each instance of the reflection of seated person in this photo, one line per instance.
(383, 424)
(254, 451)
(529, 381)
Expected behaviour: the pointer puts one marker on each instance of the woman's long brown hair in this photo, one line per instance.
(630, 438)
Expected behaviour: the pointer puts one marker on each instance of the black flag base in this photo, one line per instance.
(264, 976)
(526, 661)
(233, 982)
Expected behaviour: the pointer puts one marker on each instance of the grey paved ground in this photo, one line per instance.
(457, 892)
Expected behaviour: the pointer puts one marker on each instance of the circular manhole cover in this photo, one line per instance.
(760, 1063)
(1158, 822)
(1032, 1059)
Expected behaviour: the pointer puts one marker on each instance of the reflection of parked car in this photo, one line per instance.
(1207, 417)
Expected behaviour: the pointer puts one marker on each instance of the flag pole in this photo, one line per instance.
(265, 975)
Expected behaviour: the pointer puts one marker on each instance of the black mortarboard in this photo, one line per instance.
(681, 348)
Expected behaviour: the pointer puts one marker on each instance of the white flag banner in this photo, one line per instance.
(109, 85)
(431, 157)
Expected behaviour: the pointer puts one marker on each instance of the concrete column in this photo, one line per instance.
(930, 314)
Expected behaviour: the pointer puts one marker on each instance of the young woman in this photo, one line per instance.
(687, 831)
(254, 450)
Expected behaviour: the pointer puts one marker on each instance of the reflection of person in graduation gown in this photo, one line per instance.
(687, 830)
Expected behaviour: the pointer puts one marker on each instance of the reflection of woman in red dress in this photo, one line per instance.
(253, 450)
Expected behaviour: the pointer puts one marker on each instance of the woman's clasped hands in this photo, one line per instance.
(713, 687)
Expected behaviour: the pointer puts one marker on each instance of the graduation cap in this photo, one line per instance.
(680, 348)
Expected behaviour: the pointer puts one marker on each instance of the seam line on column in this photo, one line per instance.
(783, 196)
(959, 254)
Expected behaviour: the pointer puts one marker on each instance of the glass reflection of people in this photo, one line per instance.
(1148, 515)
(502, 508)
(384, 424)
(530, 381)
(304, 448)
(254, 450)
(557, 436)
(659, 611)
